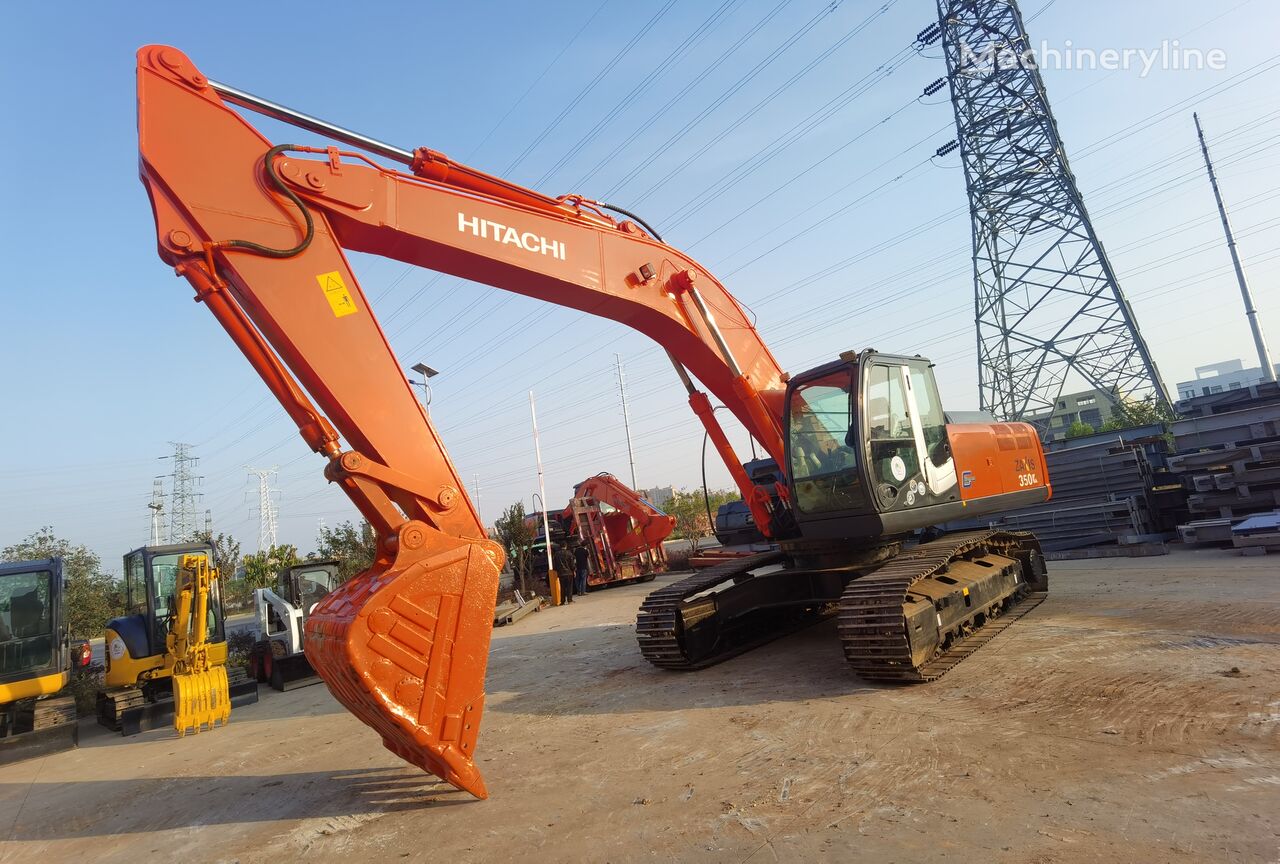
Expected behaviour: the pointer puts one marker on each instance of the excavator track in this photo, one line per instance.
(112, 705)
(55, 711)
(677, 629)
(891, 621)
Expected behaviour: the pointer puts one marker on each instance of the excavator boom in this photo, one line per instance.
(259, 231)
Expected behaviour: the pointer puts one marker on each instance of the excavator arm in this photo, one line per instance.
(259, 230)
(201, 692)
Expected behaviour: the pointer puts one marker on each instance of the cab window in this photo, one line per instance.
(26, 621)
(932, 419)
(894, 460)
(164, 574)
(313, 584)
(135, 582)
(824, 462)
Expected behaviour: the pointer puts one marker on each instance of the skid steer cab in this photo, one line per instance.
(140, 657)
(277, 657)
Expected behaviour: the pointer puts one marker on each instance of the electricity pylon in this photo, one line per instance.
(1047, 302)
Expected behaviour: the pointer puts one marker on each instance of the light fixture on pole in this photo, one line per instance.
(427, 373)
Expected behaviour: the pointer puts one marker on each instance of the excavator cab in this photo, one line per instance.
(36, 660)
(867, 445)
(136, 640)
(33, 640)
(872, 454)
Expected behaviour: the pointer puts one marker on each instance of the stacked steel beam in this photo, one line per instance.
(1228, 460)
(1231, 481)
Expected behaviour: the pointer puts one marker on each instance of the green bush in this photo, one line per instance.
(85, 685)
(239, 644)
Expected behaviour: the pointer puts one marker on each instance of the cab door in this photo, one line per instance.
(909, 457)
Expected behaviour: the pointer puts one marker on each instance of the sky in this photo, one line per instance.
(835, 227)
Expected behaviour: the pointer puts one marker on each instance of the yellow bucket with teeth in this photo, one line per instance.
(201, 699)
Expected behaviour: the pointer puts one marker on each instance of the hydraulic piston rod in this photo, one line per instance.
(312, 124)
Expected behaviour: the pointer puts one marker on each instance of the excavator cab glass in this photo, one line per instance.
(867, 443)
(30, 620)
(822, 440)
(151, 576)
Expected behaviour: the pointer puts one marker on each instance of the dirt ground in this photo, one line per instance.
(1135, 716)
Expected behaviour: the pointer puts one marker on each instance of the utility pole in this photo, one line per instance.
(182, 497)
(157, 512)
(626, 419)
(1259, 341)
(542, 489)
(267, 512)
(475, 483)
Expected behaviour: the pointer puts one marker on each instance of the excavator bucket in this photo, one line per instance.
(200, 699)
(405, 650)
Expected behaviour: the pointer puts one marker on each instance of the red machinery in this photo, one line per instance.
(625, 540)
(866, 453)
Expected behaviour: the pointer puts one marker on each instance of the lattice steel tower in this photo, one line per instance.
(1046, 298)
(183, 495)
(268, 512)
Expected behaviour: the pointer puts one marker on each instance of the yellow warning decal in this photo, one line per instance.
(335, 291)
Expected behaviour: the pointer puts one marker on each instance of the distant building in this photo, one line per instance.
(658, 496)
(1217, 377)
(1093, 407)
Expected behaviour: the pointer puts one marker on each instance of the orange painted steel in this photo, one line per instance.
(997, 458)
(639, 526)
(259, 232)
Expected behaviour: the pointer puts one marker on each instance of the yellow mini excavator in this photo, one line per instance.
(37, 657)
(168, 653)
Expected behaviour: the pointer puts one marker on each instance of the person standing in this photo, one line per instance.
(580, 558)
(564, 569)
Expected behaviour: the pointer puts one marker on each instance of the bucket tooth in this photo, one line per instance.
(405, 649)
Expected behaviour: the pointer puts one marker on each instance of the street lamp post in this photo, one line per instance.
(427, 373)
(552, 585)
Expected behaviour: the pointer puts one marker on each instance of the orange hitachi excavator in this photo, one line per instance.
(863, 452)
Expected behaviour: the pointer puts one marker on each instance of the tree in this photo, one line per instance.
(261, 568)
(690, 512)
(1079, 430)
(1129, 413)
(516, 537)
(226, 552)
(236, 594)
(354, 547)
(92, 597)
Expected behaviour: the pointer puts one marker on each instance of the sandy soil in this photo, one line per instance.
(1135, 716)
